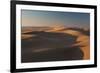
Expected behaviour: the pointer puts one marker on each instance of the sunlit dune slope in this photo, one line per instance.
(85, 43)
(26, 30)
(23, 36)
(55, 29)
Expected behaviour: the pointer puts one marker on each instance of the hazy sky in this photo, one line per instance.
(53, 18)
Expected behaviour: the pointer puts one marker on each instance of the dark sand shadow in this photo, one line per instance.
(49, 46)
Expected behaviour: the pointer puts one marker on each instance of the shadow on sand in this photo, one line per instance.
(49, 46)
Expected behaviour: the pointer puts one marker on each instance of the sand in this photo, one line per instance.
(54, 44)
(84, 41)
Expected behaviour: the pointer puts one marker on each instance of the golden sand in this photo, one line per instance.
(25, 36)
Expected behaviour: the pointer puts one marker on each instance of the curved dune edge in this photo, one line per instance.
(83, 40)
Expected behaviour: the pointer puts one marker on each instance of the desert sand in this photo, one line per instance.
(84, 40)
(54, 44)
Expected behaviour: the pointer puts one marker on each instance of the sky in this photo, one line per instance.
(36, 18)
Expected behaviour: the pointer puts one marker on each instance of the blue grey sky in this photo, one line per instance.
(54, 18)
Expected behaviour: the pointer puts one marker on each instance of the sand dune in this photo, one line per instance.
(81, 38)
(84, 42)
(46, 41)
